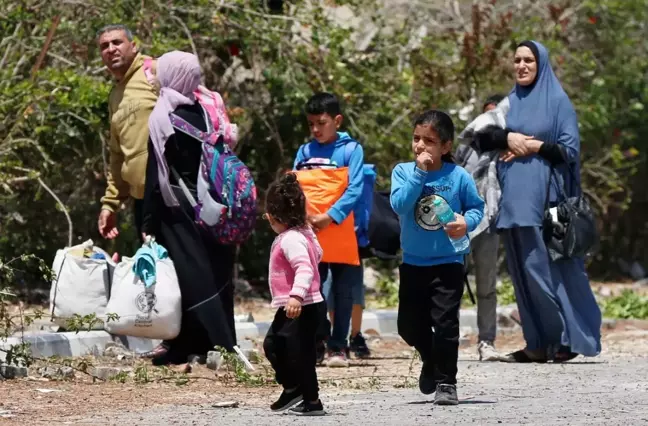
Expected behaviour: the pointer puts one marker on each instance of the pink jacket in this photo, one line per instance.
(294, 257)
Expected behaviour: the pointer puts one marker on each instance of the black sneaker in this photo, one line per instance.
(446, 395)
(287, 400)
(308, 409)
(320, 350)
(427, 384)
(359, 346)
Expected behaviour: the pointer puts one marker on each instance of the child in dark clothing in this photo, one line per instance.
(431, 276)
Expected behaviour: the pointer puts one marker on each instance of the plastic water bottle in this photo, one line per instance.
(445, 215)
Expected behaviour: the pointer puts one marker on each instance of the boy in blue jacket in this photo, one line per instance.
(432, 272)
(328, 148)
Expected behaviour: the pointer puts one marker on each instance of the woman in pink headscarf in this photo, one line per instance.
(203, 266)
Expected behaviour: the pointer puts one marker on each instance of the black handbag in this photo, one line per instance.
(575, 233)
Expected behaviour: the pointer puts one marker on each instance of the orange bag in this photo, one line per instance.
(323, 187)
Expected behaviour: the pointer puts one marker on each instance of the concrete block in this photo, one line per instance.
(13, 372)
(56, 373)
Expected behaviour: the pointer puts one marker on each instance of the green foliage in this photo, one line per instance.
(53, 123)
(239, 372)
(505, 292)
(79, 323)
(387, 292)
(627, 305)
(10, 323)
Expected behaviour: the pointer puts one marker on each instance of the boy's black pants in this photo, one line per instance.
(290, 348)
(428, 315)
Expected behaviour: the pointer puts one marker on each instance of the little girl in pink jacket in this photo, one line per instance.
(290, 344)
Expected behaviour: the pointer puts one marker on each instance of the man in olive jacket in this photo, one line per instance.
(131, 101)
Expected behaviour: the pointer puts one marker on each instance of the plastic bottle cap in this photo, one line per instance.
(437, 201)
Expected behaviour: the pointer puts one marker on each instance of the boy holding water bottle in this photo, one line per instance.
(431, 275)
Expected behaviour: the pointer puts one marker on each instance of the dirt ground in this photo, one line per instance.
(39, 401)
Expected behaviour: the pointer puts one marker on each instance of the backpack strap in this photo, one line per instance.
(187, 128)
(148, 70)
(348, 151)
(306, 152)
(467, 283)
(349, 147)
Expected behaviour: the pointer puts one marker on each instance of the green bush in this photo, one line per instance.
(627, 305)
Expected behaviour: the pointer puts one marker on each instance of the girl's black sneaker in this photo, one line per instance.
(287, 400)
(308, 409)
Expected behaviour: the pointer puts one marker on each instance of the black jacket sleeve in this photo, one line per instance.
(491, 138)
(553, 153)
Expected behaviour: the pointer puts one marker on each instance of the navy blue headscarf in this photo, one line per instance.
(542, 110)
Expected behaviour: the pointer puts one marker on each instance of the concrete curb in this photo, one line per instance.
(69, 344)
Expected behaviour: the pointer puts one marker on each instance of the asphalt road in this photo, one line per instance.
(600, 391)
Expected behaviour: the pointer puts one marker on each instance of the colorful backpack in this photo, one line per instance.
(227, 195)
(212, 102)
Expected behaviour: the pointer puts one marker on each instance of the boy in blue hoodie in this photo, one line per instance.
(432, 272)
(328, 147)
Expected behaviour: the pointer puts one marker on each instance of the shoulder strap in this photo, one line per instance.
(148, 70)
(467, 283)
(189, 129)
(349, 147)
(184, 188)
(306, 152)
(561, 181)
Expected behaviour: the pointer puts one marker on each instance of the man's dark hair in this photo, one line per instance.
(323, 103)
(116, 27)
(493, 99)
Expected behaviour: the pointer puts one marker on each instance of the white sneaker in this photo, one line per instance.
(487, 352)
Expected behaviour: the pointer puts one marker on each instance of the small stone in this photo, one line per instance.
(67, 372)
(214, 360)
(118, 352)
(226, 404)
(107, 373)
(13, 372)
